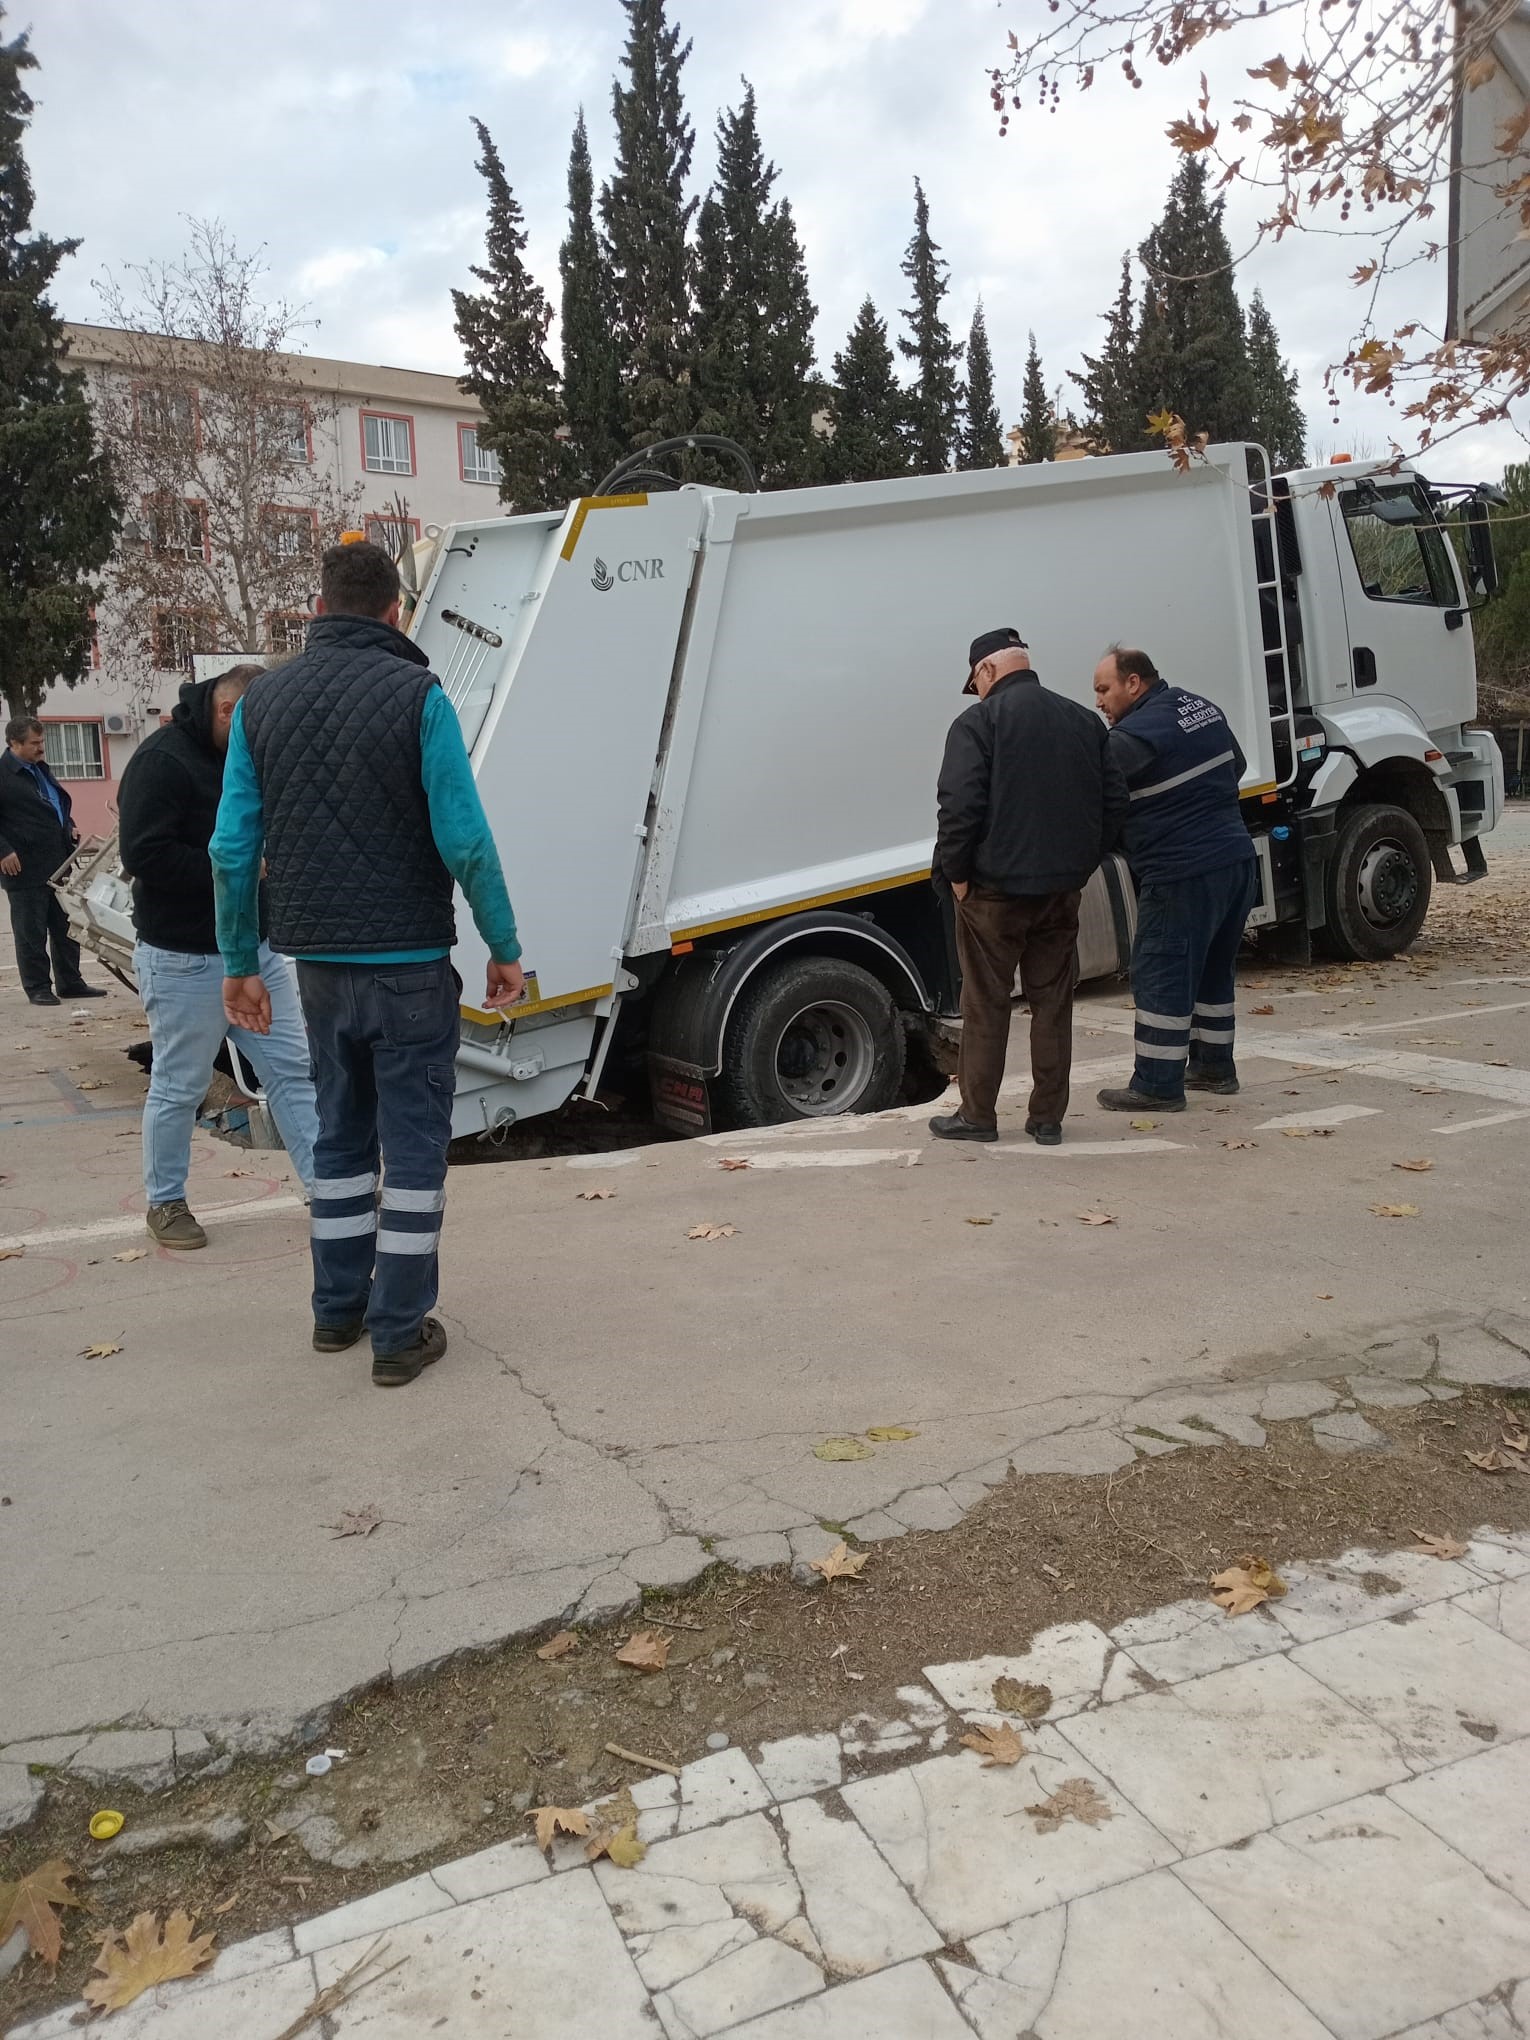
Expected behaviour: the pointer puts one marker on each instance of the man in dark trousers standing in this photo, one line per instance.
(37, 834)
(1194, 863)
(348, 765)
(1029, 799)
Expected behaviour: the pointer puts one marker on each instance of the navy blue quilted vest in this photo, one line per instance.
(352, 866)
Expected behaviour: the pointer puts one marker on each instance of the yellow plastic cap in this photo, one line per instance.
(104, 1825)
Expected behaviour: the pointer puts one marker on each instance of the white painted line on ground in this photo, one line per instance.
(1333, 1051)
(832, 1158)
(1433, 1019)
(132, 1222)
(611, 1161)
(1492, 1119)
(1088, 1147)
(1324, 1115)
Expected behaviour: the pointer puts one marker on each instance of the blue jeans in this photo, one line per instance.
(384, 1039)
(182, 994)
(1184, 964)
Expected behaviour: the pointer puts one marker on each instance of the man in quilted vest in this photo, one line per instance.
(347, 769)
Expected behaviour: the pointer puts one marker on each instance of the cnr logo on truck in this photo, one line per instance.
(626, 570)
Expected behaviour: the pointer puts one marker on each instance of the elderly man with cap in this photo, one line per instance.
(1029, 798)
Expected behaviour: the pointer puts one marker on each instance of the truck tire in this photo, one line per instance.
(1378, 884)
(809, 1039)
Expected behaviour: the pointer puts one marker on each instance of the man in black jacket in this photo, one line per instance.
(166, 810)
(37, 833)
(1029, 800)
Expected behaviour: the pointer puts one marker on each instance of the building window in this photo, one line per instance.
(387, 443)
(177, 527)
(479, 463)
(168, 417)
(73, 750)
(291, 534)
(288, 433)
(286, 634)
(178, 634)
(393, 534)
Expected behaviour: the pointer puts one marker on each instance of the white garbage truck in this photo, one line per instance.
(706, 725)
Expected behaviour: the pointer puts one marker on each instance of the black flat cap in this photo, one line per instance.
(984, 647)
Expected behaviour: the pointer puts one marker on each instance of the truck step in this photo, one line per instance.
(1476, 864)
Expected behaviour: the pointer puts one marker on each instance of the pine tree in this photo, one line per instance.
(58, 508)
(1116, 420)
(980, 441)
(1191, 355)
(647, 217)
(591, 378)
(754, 315)
(866, 406)
(1277, 423)
(932, 402)
(1038, 414)
(503, 330)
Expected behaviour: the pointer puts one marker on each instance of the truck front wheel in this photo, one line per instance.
(1378, 884)
(809, 1039)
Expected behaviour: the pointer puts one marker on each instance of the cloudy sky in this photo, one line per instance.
(336, 135)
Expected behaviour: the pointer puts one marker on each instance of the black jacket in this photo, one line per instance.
(28, 825)
(166, 808)
(1030, 798)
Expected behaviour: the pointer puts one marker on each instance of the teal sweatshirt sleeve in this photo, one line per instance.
(235, 853)
(460, 827)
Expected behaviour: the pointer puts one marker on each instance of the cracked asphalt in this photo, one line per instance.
(620, 1404)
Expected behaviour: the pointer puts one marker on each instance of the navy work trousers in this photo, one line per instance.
(1184, 964)
(384, 1038)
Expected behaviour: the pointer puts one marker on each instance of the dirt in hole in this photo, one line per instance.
(449, 1765)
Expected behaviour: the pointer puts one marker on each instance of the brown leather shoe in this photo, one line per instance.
(172, 1225)
(394, 1370)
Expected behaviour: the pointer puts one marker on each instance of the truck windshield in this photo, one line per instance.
(1398, 562)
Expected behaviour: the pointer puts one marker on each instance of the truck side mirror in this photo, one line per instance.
(1482, 562)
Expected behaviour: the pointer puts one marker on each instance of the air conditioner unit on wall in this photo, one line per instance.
(120, 724)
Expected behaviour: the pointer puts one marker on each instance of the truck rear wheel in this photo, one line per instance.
(809, 1039)
(1378, 884)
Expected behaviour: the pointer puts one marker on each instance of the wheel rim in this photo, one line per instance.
(1387, 883)
(824, 1058)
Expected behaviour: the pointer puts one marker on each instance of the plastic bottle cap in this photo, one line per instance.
(317, 1766)
(104, 1825)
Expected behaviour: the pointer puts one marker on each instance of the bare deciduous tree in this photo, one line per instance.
(215, 440)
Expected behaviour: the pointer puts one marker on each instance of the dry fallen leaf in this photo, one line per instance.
(1323, 1295)
(558, 1646)
(100, 1351)
(1144, 1125)
(980, 1221)
(1240, 1143)
(1075, 1799)
(551, 1820)
(594, 1196)
(90, 1084)
(996, 1745)
(1095, 1217)
(356, 1522)
(1517, 1441)
(843, 1448)
(145, 1955)
(711, 1232)
(621, 1845)
(1425, 1090)
(1018, 1696)
(1395, 1210)
(1439, 1547)
(890, 1434)
(1261, 1009)
(132, 1254)
(32, 1903)
(646, 1651)
(1421, 1167)
(227, 1172)
(734, 1162)
(1241, 1587)
(12, 1253)
(1491, 1461)
(840, 1564)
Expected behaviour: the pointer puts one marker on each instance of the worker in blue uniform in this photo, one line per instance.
(1194, 865)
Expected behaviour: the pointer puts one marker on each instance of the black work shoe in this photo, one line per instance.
(83, 992)
(41, 999)
(1219, 1087)
(1045, 1132)
(393, 1370)
(1128, 1100)
(336, 1338)
(952, 1126)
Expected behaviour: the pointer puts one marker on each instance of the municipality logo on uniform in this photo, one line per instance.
(601, 578)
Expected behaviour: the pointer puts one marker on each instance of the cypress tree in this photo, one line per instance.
(866, 406)
(591, 379)
(932, 402)
(503, 330)
(1116, 420)
(1191, 356)
(1038, 414)
(754, 315)
(980, 440)
(1278, 423)
(647, 217)
(58, 507)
